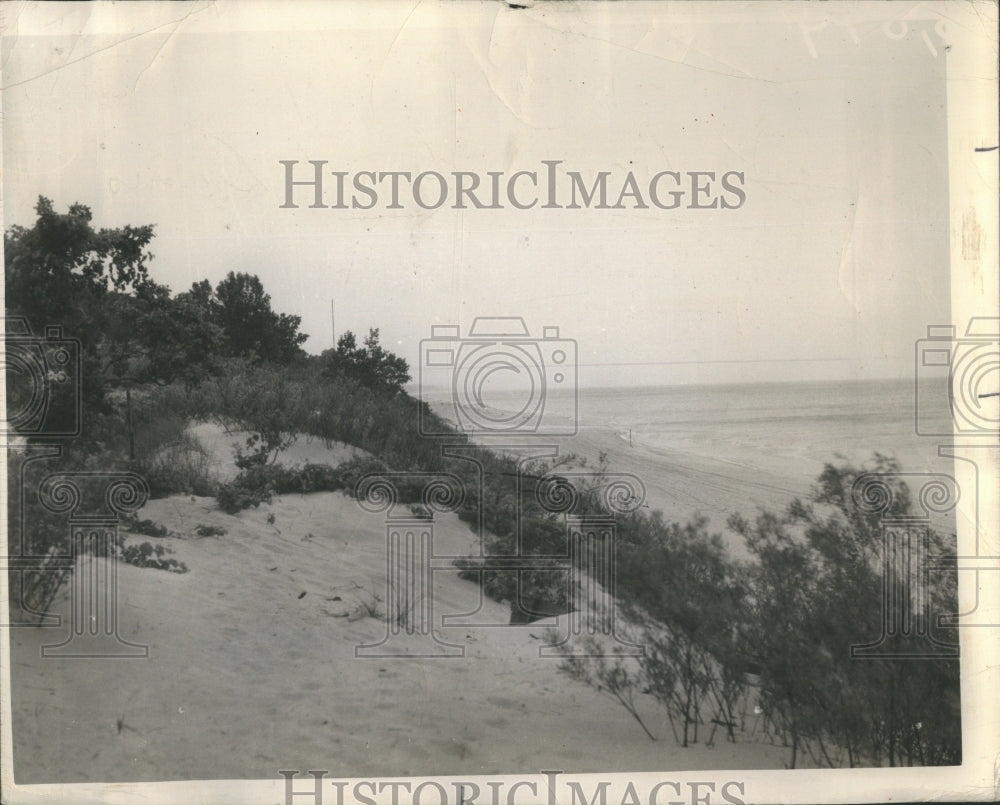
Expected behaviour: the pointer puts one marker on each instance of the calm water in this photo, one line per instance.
(791, 426)
(788, 428)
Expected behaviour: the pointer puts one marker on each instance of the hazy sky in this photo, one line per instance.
(178, 115)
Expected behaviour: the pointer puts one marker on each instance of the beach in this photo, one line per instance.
(252, 664)
(251, 667)
(730, 449)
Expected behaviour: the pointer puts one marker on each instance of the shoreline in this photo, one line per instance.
(679, 483)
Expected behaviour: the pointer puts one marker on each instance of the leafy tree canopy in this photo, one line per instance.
(370, 365)
(250, 328)
(95, 284)
(58, 269)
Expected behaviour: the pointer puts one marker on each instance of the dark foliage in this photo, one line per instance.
(250, 328)
(369, 365)
(783, 622)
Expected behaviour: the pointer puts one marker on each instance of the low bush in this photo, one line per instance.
(145, 527)
(258, 483)
(250, 488)
(148, 555)
(354, 469)
(789, 616)
(210, 531)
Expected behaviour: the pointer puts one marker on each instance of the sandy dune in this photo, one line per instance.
(681, 484)
(252, 667)
(221, 446)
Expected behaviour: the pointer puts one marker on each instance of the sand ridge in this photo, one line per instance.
(252, 668)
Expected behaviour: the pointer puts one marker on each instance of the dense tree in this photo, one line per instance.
(57, 269)
(250, 327)
(789, 618)
(60, 272)
(150, 339)
(370, 365)
(96, 285)
(817, 584)
(201, 298)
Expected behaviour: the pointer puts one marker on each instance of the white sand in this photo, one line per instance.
(246, 676)
(682, 484)
(221, 445)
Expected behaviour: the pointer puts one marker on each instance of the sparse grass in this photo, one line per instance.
(371, 603)
(368, 601)
(34, 591)
(354, 469)
(156, 427)
(258, 483)
(181, 467)
(612, 675)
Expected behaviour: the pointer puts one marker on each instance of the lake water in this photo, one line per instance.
(787, 429)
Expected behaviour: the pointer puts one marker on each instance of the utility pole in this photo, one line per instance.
(333, 324)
